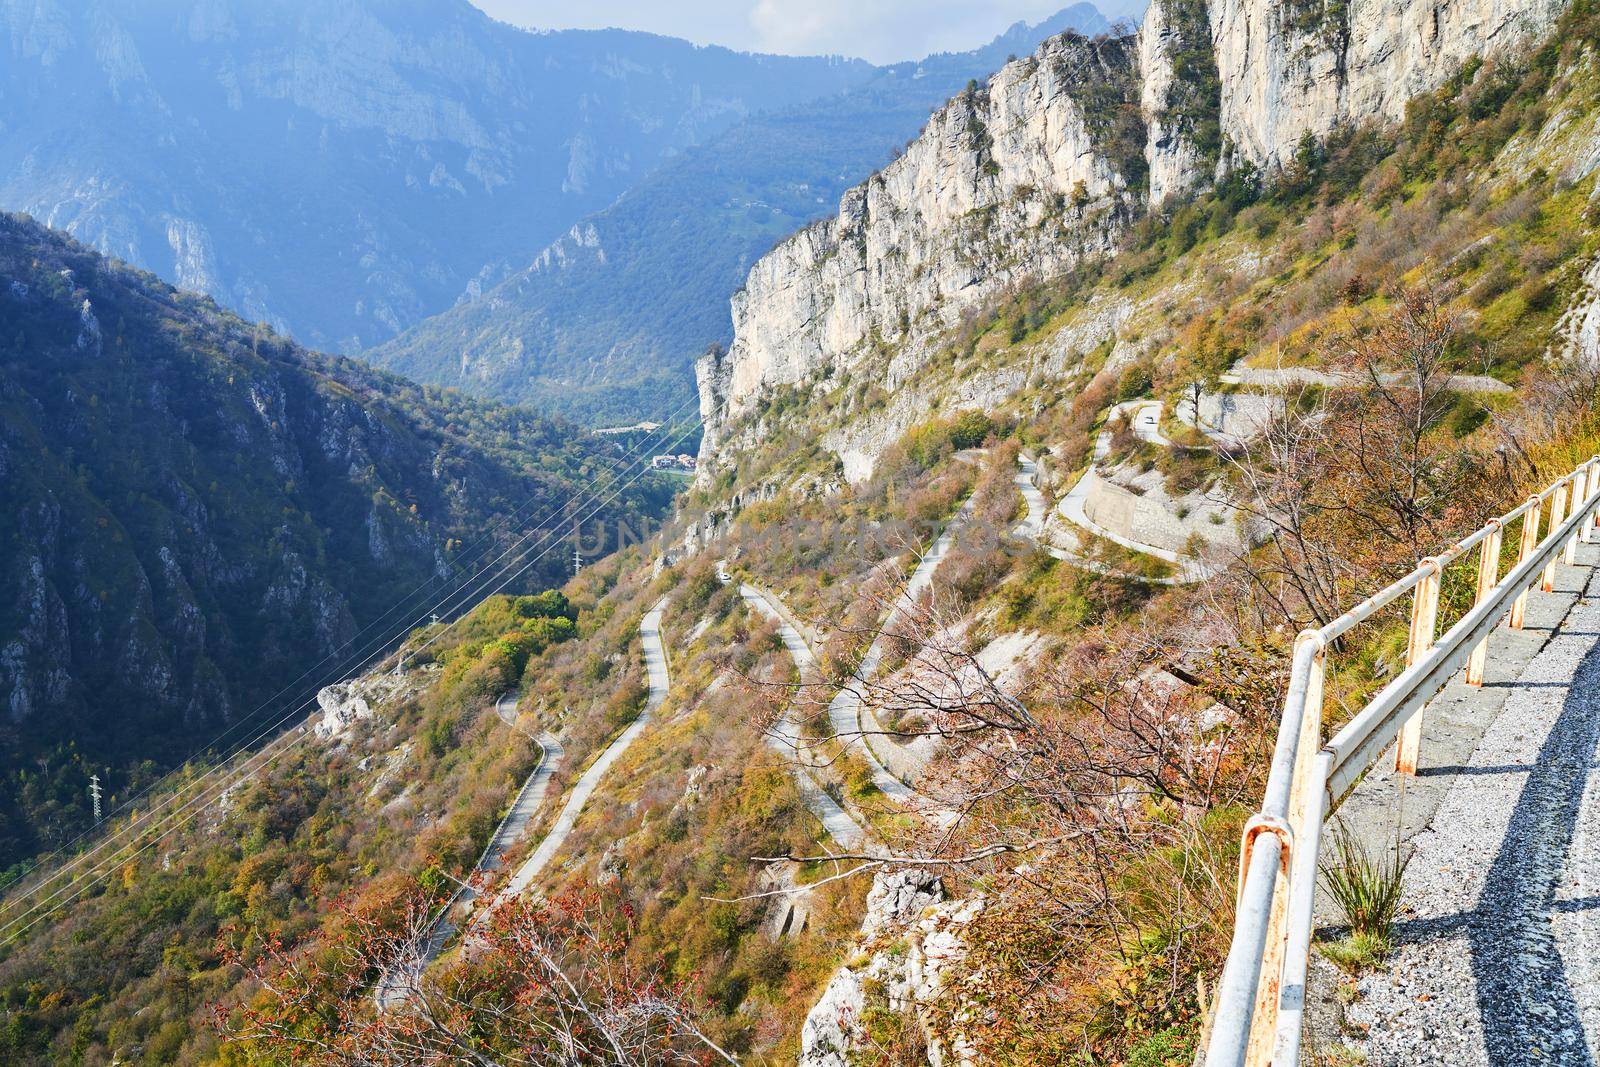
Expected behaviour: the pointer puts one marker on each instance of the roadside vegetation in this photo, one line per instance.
(1393, 258)
(1102, 738)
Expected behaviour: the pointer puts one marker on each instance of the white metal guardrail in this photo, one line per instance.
(1260, 999)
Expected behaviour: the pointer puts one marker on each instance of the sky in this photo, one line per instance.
(883, 31)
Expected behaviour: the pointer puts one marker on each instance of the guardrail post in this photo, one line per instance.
(1575, 499)
(1558, 515)
(1593, 487)
(1304, 802)
(1488, 578)
(1525, 551)
(1424, 623)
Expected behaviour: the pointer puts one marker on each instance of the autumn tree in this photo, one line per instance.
(539, 982)
(1351, 484)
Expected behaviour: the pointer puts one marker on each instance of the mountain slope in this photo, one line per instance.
(198, 511)
(609, 318)
(1037, 174)
(342, 170)
(1088, 734)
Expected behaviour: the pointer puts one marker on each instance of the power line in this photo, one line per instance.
(388, 633)
(42, 910)
(128, 831)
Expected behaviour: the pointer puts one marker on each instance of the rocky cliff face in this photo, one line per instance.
(1179, 93)
(1026, 176)
(606, 323)
(1306, 66)
(1018, 178)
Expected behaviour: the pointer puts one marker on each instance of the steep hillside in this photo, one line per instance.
(609, 317)
(1023, 179)
(342, 170)
(975, 629)
(198, 511)
(269, 859)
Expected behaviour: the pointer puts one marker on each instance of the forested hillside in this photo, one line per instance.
(197, 511)
(605, 323)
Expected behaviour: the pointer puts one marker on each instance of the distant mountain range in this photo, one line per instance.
(604, 323)
(342, 168)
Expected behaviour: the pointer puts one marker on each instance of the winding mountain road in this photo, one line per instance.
(394, 987)
(533, 791)
(1145, 418)
(1032, 528)
(785, 734)
(655, 663)
(852, 717)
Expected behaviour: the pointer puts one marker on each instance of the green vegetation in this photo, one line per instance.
(131, 975)
(1367, 892)
(198, 511)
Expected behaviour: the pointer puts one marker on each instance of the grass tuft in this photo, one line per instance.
(1367, 891)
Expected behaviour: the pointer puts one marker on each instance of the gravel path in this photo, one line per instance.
(391, 990)
(785, 735)
(655, 662)
(1496, 952)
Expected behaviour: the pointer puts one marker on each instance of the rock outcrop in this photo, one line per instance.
(911, 936)
(344, 704)
(1025, 177)
(1579, 330)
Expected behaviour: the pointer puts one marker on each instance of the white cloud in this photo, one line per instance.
(880, 30)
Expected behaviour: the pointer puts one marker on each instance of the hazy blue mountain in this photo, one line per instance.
(343, 168)
(604, 323)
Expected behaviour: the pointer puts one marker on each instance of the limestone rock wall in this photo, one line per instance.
(1179, 93)
(1024, 177)
(1292, 68)
(1010, 180)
